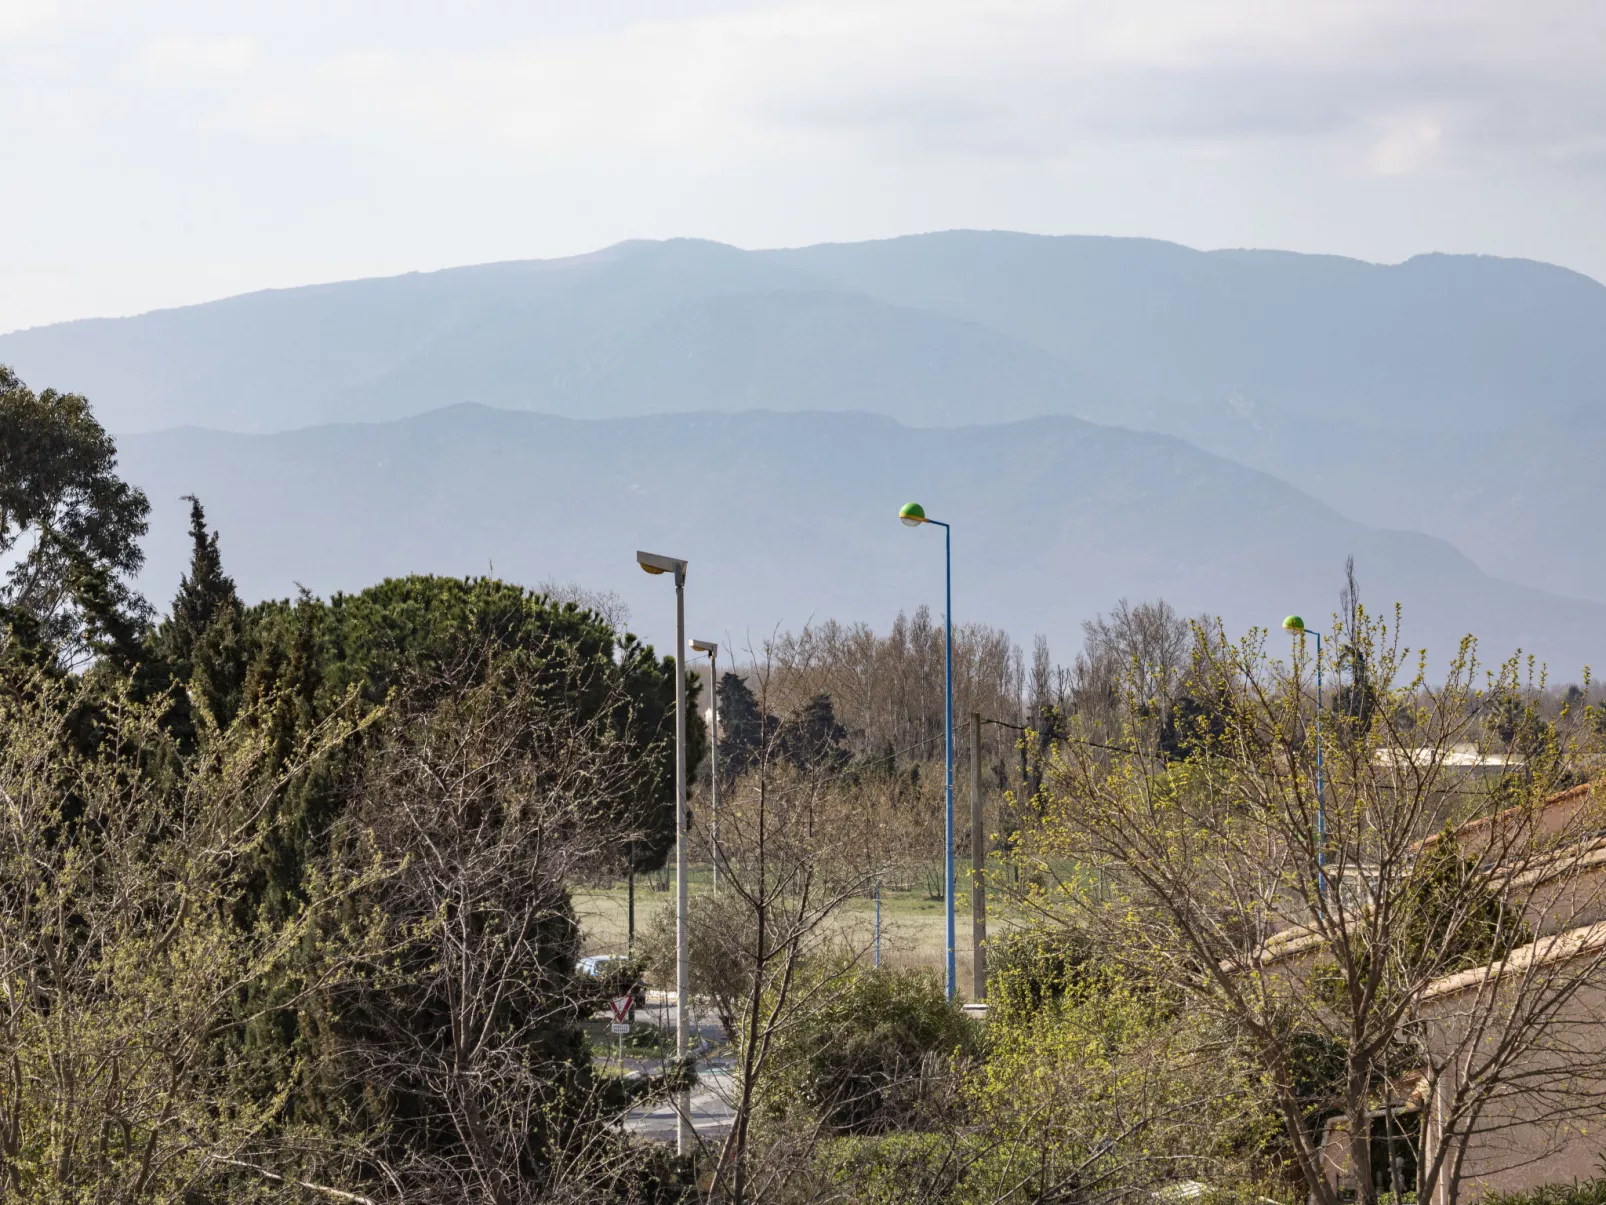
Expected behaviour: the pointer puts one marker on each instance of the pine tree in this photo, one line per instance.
(811, 739)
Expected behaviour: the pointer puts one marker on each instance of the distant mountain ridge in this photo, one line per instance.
(791, 517)
(1132, 329)
(1462, 396)
(1480, 339)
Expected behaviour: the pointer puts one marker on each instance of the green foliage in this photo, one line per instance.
(73, 527)
(865, 1062)
(745, 727)
(199, 651)
(1579, 1192)
(424, 636)
(403, 660)
(203, 593)
(1449, 919)
(895, 1169)
(1197, 718)
(1317, 1064)
(122, 966)
(980, 1168)
(1033, 969)
(811, 739)
(1113, 1083)
(1454, 915)
(1514, 722)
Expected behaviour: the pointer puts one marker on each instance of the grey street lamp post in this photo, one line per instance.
(1297, 625)
(913, 515)
(653, 563)
(712, 649)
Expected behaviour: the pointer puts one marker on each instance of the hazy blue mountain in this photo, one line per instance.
(979, 326)
(1461, 396)
(1437, 341)
(640, 328)
(792, 517)
(1464, 396)
(1523, 502)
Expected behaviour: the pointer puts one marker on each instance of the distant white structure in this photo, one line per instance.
(1461, 757)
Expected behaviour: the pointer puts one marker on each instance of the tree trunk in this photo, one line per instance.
(1360, 1143)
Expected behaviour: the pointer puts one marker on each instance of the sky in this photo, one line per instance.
(176, 151)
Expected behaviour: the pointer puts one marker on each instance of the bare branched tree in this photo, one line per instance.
(1423, 914)
(1145, 648)
(465, 1046)
(888, 690)
(790, 857)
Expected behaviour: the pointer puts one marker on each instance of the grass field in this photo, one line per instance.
(912, 924)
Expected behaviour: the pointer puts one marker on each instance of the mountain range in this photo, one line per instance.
(1107, 416)
(790, 518)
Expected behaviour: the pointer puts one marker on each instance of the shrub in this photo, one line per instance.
(720, 938)
(893, 1168)
(1108, 1081)
(877, 1055)
(1579, 1192)
(1031, 968)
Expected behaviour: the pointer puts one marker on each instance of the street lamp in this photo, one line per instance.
(1295, 624)
(712, 649)
(653, 563)
(913, 515)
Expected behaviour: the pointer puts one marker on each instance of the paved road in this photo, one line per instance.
(711, 1109)
(712, 1101)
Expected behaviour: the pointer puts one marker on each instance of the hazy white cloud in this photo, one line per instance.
(181, 55)
(19, 15)
(1408, 147)
(1017, 78)
(365, 137)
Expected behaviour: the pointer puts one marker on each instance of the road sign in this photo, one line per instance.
(621, 1006)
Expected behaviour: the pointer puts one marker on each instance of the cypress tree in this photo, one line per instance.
(203, 593)
(202, 645)
(747, 728)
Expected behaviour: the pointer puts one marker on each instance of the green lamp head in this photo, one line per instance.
(1294, 624)
(912, 514)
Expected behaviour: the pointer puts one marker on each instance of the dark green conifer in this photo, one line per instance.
(204, 592)
(745, 727)
(202, 645)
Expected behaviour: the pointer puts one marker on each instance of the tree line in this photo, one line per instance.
(285, 907)
(285, 884)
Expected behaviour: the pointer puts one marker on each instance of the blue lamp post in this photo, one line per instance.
(913, 515)
(1295, 624)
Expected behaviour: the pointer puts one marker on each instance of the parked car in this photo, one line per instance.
(599, 966)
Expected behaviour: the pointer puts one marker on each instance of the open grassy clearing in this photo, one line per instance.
(912, 923)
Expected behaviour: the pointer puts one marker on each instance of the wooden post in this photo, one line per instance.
(978, 868)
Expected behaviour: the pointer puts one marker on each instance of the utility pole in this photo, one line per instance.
(978, 869)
